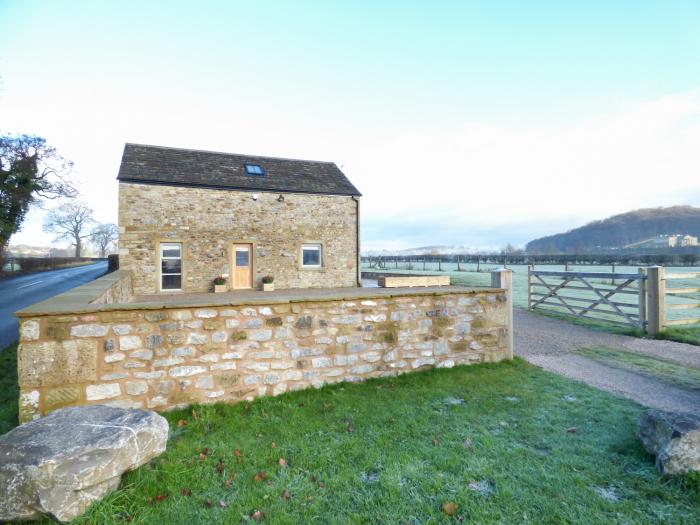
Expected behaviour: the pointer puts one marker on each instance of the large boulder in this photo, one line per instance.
(61, 463)
(673, 438)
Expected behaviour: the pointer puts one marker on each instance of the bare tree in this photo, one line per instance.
(511, 250)
(70, 221)
(30, 170)
(104, 236)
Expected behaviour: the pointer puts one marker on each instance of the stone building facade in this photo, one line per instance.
(185, 217)
(166, 355)
(209, 223)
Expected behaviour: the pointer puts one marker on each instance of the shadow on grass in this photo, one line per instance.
(9, 389)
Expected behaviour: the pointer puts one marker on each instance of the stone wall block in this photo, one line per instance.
(130, 342)
(29, 330)
(51, 363)
(101, 392)
(136, 388)
(88, 330)
(181, 371)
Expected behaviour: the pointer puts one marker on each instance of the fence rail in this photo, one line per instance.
(679, 293)
(594, 295)
(557, 291)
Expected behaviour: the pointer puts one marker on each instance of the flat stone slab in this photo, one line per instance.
(674, 438)
(61, 463)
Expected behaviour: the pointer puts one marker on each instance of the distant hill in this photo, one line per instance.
(621, 230)
(424, 250)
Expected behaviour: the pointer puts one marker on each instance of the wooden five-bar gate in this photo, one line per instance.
(640, 300)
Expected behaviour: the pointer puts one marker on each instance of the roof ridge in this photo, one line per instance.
(226, 153)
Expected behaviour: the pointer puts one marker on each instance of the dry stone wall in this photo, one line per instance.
(209, 221)
(173, 356)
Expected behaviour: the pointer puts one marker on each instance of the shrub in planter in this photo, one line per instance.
(220, 285)
(268, 283)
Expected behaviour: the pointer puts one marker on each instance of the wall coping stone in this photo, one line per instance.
(79, 299)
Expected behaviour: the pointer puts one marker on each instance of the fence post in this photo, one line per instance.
(643, 322)
(530, 287)
(656, 299)
(504, 279)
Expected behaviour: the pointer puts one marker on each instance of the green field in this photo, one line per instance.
(500, 443)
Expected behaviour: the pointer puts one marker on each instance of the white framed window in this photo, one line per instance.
(171, 266)
(311, 255)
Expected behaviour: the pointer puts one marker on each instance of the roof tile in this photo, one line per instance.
(209, 169)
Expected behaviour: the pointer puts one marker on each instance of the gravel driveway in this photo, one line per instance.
(551, 344)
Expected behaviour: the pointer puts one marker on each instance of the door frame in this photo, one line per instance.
(232, 263)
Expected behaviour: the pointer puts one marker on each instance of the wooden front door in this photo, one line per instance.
(242, 266)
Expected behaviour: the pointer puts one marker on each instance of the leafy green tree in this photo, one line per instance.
(30, 170)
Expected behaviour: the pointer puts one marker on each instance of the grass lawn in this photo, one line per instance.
(9, 390)
(665, 371)
(505, 443)
(684, 334)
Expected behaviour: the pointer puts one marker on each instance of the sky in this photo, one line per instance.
(462, 123)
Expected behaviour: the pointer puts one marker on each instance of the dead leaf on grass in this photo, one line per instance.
(282, 462)
(186, 492)
(286, 494)
(260, 476)
(467, 443)
(436, 442)
(449, 508)
(258, 515)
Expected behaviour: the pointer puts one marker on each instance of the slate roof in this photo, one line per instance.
(208, 169)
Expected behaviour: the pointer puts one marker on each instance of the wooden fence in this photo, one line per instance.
(641, 300)
(674, 298)
(613, 297)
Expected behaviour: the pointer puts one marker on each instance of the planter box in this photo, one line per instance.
(268, 287)
(398, 281)
(220, 288)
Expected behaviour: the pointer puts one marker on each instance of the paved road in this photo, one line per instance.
(552, 344)
(18, 292)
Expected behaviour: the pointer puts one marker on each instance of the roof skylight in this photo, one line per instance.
(254, 169)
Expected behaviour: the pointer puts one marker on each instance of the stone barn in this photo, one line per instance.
(149, 336)
(189, 216)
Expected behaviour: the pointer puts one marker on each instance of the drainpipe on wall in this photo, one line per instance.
(357, 229)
